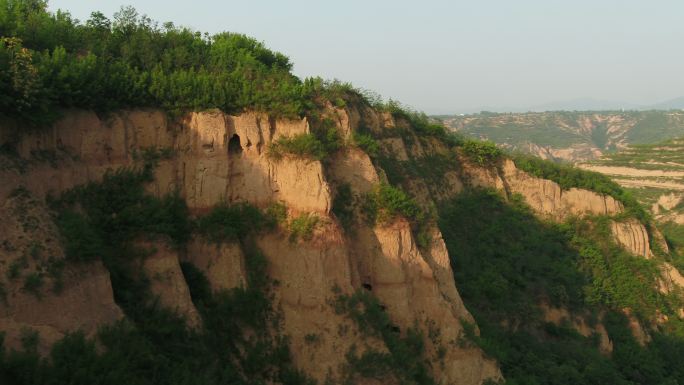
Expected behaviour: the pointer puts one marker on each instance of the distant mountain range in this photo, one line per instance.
(582, 104)
(571, 135)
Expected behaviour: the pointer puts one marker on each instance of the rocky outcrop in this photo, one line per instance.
(550, 201)
(672, 280)
(203, 168)
(544, 196)
(167, 283)
(223, 264)
(562, 317)
(416, 285)
(632, 235)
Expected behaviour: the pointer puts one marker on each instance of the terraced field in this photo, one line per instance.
(654, 174)
(657, 168)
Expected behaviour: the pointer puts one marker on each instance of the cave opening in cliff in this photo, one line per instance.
(234, 146)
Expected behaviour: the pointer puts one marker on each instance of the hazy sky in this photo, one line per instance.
(453, 56)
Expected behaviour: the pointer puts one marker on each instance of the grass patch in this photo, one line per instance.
(386, 202)
(302, 227)
(301, 145)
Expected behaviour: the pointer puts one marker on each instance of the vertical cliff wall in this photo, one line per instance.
(215, 158)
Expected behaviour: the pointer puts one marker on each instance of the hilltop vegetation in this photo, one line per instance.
(51, 61)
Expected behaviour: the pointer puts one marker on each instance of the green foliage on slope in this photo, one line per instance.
(484, 153)
(386, 202)
(404, 360)
(507, 262)
(226, 223)
(158, 347)
(238, 341)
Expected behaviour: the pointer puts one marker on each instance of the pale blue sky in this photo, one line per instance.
(454, 56)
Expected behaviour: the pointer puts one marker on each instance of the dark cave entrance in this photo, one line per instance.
(234, 146)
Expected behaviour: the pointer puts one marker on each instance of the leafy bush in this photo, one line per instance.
(342, 206)
(618, 280)
(386, 202)
(33, 283)
(367, 144)
(227, 223)
(302, 227)
(116, 209)
(484, 153)
(507, 260)
(326, 132)
(276, 213)
(301, 145)
(162, 350)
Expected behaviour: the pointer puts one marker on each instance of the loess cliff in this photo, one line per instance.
(213, 159)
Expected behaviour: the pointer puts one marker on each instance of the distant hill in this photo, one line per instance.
(584, 104)
(672, 104)
(571, 136)
(580, 104)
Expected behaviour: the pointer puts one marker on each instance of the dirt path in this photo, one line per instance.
(628, 171)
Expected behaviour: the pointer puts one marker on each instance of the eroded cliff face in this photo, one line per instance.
(39, 291)
(215, 158)
(548, 199)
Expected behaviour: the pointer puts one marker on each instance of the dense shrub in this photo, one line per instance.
(48, 61)
(386, 202)
(225, 223)
(343, 206)
(160, 349)
(419, 122)
(484, 153)
(116, 210)
(367, 144)
(618, 279)
(505, 259)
